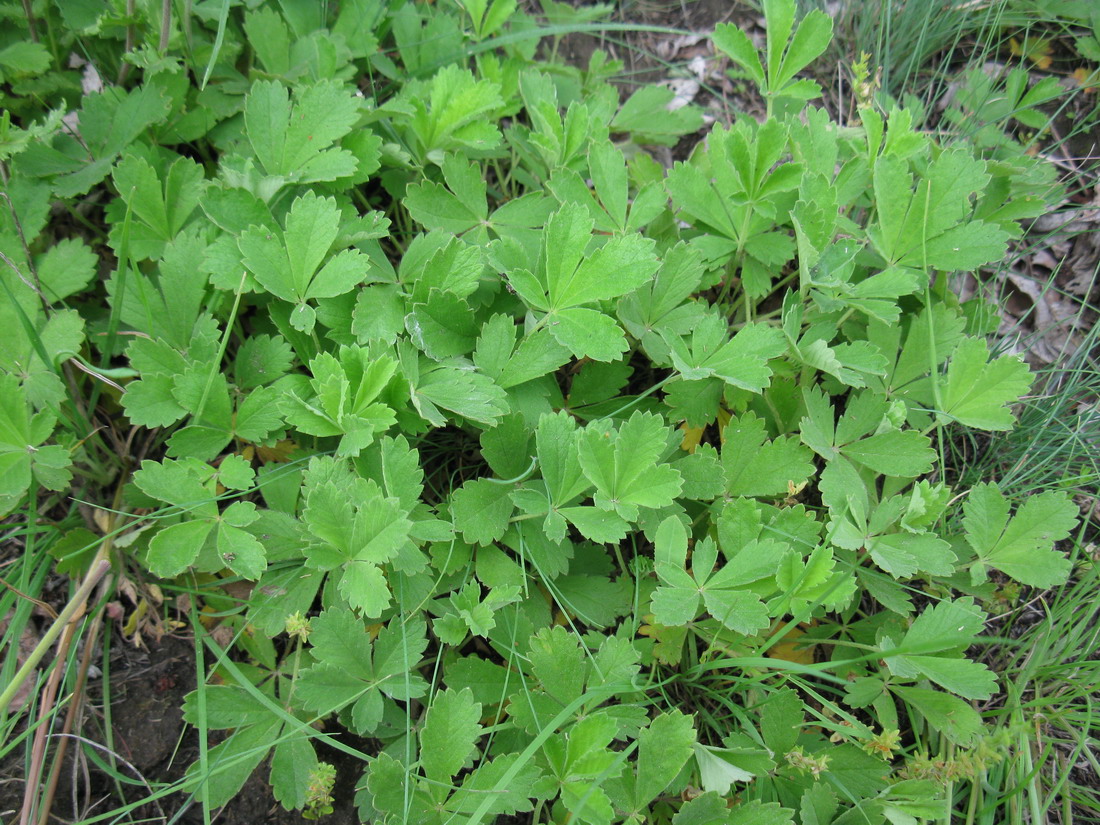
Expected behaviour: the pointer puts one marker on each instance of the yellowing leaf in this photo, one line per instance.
(1035, 49)
(790, 649)
(692, 437)
(1087, 79)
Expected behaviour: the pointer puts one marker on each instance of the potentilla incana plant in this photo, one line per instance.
(567, 484)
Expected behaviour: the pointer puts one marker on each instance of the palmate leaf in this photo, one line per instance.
(351, 670)
(453, 114)
(929, 226)
(1020, 546)
(292, 140)
(571, 275)
(290, 267)
(456, 208)
(933, 648)
(623, 465)
(344, 399)
(786, 55)
(355, 530)
(110, 121)
(21, 456)
(741, 361)
(160, 208)
(722, 591)
(865, 435)
(978, 391)
(454, 387)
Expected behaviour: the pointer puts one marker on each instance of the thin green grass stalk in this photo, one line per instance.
(1053, 680)
(219, 42)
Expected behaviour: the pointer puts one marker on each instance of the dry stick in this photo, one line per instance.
(38, 749)
(76, 705)
(65, 626)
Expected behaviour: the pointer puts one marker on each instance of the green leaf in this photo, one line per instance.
(558, 663)
(741, 361)
(620, 266)
(948, 714)
(240, 550)
(175, 548)
(457, 208)
(730, 39)
(450, 732)
(110, 121)
(781, 721)
(175, 482)
(588, 333)
(481, 510)
(676, 600)
(454, 113)
(716, 772)
(647, 115)
(903, 453)
(344, 399)
(623, 465)
(291, 267)
(511, 789)
(352, 671)
(1021, 547)
(934, 645)
(556, 442)
(66, 268)
(755, 466)
(291, 765)
(978, 391)
(163, 207)
(21, 437)
(664, 747)
(459, 390)
(292, 140)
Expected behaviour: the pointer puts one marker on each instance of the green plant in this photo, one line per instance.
(710, 407)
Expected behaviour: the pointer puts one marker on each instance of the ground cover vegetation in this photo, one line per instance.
(531, 477)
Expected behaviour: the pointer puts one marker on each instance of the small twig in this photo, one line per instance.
(26, 250)
(80, 366)
(32, 599)
(76, 705)
(104, 749)
(32, 287)
(38, 748)
(74, 610)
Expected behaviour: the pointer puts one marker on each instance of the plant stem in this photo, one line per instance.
(29, 12)
(165, 25)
